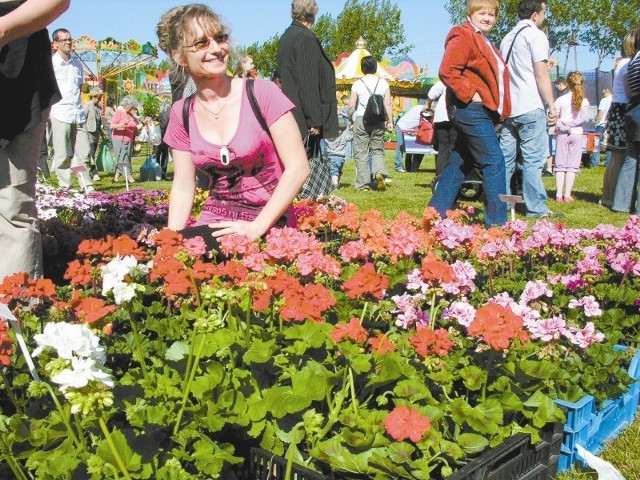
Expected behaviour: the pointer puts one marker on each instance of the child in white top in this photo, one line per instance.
(573, 111)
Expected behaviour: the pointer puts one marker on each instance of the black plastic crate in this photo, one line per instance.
(514, 459)
(517, 459)
(264, 465)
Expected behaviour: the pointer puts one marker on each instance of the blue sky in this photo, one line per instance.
(426, 23)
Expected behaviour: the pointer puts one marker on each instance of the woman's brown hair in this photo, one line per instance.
(575, 82)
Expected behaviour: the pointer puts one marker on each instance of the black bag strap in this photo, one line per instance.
(506, 60)
(186, 107)
(255, 107)
(374, 88)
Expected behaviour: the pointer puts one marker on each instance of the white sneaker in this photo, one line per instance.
(96, 177)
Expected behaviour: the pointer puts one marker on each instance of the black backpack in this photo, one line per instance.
(374, 112)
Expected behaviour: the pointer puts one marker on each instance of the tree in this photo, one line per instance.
(265, 55)
(377, 21)
(598, 24)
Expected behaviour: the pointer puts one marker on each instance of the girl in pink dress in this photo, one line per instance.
(573, 111)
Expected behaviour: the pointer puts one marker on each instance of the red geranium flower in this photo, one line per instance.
(436, 271)
(366, 280)
(429, 342)
(6, 347)
(79, 273)
(125, 245)
(352, 330)
(91, 309)
(498, 326)
(381, 344)
(404, 422)
(96, 247)
(308, 302)
(178, 283)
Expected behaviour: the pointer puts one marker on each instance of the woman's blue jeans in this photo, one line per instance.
(476, 142)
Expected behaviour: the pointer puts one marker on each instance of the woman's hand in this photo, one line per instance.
(238, 227)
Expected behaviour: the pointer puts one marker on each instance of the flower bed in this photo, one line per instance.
(405, 349)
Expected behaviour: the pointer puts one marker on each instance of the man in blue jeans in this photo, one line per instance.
(601, 123)
(526, 50)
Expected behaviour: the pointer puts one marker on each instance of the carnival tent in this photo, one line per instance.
(349, 69)
(401, 82)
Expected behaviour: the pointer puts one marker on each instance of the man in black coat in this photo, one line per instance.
(308, 79)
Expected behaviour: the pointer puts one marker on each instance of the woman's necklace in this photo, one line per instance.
(215, 114)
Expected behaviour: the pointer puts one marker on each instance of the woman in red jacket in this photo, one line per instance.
(478, 99)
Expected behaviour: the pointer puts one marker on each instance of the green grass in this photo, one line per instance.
(411, 192)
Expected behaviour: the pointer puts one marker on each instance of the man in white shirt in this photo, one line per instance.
(526, 52)
(67, 116)
(601, 123)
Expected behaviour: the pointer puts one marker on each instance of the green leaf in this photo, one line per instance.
(131, 459)
(210, 457)
(205, 384)
(309, 381)
(177, 351)
(472, 443)
(483, 418)
(473, 377)
(260, 352)
(388, 368)
(312, 334)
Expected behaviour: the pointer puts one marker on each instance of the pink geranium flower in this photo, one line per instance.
(590, 305)
(354, 250)
(548, 329)
(586, 336)
(534, 290)
(461, 311)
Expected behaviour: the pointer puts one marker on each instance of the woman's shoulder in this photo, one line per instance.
(266, 89)
(464, 30)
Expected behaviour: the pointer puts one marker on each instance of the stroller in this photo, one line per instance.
(471, 188)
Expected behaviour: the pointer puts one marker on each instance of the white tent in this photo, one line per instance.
(349, 68)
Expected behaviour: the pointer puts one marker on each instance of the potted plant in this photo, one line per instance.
(390, 140)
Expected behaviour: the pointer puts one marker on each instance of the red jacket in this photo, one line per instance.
(468, 66)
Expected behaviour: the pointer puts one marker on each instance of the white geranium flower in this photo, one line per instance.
(117, 269)
(82, 371)
(123, 292)
(69, 340)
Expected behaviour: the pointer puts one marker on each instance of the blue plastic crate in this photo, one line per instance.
(578, 413)
(591, 427)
